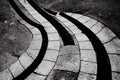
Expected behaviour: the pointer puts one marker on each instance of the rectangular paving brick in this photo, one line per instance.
(85, 45)
(115, 62)
(35, 31)
(89, 67)
(97, 27)
(25, 60)
(84, 76)
(46, 24)
(16, 68)
(83, 19)
(76, 16)
(69, 14)
(39, 18)
(54, 45)
(50, 30)
(75, 30)
(35, 77)
(5, 75)
(61, 18)
(115, 76)
(51, 55)
(81, 37)
(105, 35)
(68, 23)
(53, 36)
(90, 23)
(33, 53)
(45, 67)
(37, 38)
(88, 55)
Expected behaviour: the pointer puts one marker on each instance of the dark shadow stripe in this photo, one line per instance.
(103, 62)
(42, 51)
(66, 37)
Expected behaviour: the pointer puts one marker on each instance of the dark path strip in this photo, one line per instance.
(42, 51)
(103, 62)
(66, 37)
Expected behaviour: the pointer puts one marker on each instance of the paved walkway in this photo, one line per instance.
(76, 60)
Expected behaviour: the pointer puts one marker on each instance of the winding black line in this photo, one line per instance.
(42, 51)
(66, 37)
(103, 62)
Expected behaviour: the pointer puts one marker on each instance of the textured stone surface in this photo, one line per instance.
(83, 19)
(54, 45)
(115, 76)
(62, 75)
(75, 30)
(81, 37)
(50, 30)
(83, 76)
(33, 53)
(90, 23)
(76, 16)
(53, 36)
(89, 67)
(85, 45)
(45, 67)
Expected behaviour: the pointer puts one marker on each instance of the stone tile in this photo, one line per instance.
(115, 76)
(46, 24)
(85, 45)
(51, 55)
(39, 18)
(25, 60)
(16, 68)
(83, 19)
(61, 18)
(62, 75)
(88, 55)
(69, 62)
(33, 12)
(50, 30)
(33, 53)
(54, 45)
(35, 77)
(68, 23)
(53, 36)
(90, 23)
(89, 67)
(81, 37)
(76, 16)
(5, 75)
(69, 49)
(75, 30)
(69, 14)
(115, 62)
(35, 45)
(29, 8)
(35, 31)
(105, 35)
(83, 76)
(113, 46)
(45, 67)
(37, 38)
(97, 27)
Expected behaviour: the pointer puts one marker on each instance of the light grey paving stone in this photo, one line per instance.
(37, 38)
(50, 30)
(105, 35)
(113, 46)
(81, 37)
(35, 31)
(69, 14)
(89, 67)
(62, 75)
(33, 53)
(90, 23)
(51, 55)
(115, 62)
(115, 76)
(5, 75)
(25, 60)
(69, 59)
(16, 69)
(35, 77)
(46, 24)
(61, 18)
(68, 23)
(76, 16)
(84, 76)
(45, 67)
(97, 27)
(75, 30)
(83, 19)
(54, 45)
(69, 62)
(33, 12)
(85, 45)
(35, 45)
(53, 36)
(88, 55)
